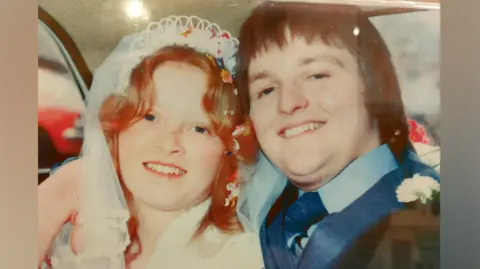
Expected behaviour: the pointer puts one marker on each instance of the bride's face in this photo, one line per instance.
(169, 159)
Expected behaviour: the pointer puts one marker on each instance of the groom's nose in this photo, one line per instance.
(292, 101)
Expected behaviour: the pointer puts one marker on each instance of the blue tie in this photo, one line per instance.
(303, 213)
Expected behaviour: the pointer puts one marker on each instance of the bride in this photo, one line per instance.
(165, 147)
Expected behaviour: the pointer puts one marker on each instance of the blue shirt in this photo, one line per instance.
(356, 179)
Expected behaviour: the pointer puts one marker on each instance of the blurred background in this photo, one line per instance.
(75, 36)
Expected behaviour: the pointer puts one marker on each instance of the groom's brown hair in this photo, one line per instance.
(340, 26)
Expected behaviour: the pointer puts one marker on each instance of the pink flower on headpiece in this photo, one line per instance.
(214, 34)
(417, 133)
(226, 76)
(225, 35)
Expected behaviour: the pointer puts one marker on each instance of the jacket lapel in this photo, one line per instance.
(268, 258)
(274, 246)
(339, 231)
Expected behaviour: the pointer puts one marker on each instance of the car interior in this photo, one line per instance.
(59, 55)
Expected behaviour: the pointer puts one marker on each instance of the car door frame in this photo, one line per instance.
(74, 59)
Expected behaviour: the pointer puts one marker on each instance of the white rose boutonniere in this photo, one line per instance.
(418, 187)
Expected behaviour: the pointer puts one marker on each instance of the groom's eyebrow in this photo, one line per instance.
(302, 62)
(259, 76)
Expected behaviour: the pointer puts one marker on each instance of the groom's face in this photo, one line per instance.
(307, 106)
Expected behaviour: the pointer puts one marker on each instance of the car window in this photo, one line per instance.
(61, 92)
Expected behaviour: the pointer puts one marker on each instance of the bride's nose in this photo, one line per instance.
(169, 142)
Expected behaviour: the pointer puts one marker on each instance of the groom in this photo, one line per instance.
(322, 93)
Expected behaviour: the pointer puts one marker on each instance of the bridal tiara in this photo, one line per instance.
(194, 32)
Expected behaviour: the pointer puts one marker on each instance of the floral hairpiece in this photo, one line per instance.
(194, 32)
(239, 130)
(232, 188)
(232, 185)
(226, 76)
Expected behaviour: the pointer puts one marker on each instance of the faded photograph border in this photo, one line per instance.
(460, 149)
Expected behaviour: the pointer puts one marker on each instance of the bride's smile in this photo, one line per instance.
(165, 170)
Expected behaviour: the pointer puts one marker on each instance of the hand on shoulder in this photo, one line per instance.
(58, 200)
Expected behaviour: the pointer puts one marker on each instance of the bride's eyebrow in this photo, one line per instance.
(197, 119)
(321, 58)
(154, 110)
(201, 120)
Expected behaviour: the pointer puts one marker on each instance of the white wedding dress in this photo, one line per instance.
(214, 249)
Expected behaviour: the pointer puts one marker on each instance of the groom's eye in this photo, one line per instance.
(265, 92)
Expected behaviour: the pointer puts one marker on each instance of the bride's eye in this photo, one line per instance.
(202, 130)
(150, 117)
(318, 76)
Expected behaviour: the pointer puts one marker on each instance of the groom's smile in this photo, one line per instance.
(297, 130)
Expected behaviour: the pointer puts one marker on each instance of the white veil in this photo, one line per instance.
(258, 194)
(103, 217)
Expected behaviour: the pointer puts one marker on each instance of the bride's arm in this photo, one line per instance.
(58, 199)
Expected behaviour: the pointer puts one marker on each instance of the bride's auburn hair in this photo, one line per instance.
(223, 108)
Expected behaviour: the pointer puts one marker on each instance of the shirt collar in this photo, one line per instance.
(357, 178)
